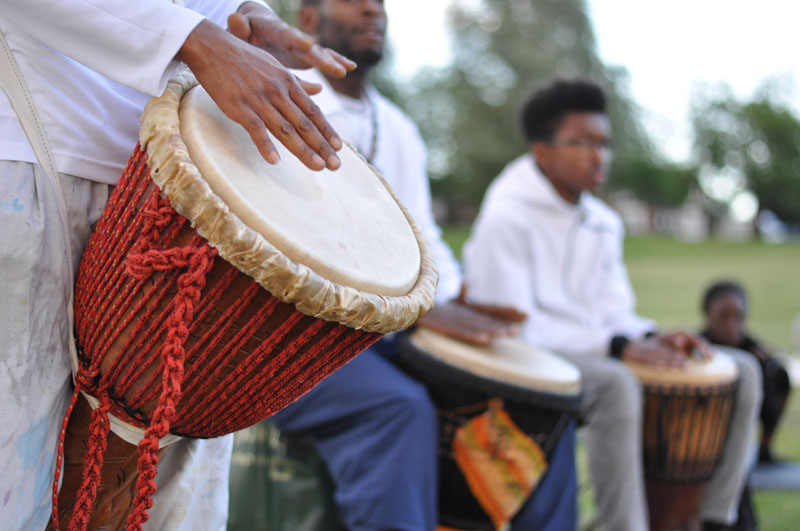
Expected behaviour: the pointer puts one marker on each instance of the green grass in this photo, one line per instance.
(669, 278)
(455, 238)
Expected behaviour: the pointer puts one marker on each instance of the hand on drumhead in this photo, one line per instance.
(466, 324)
(691, 345)
(504, 313)
(470, 322)
(295, 49)
(252, 88)
(653, 351)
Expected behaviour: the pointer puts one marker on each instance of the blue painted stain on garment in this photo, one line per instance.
(12, 205)
(30, 443)
(31, 450)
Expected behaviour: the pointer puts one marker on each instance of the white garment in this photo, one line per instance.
(401, 159)
(91, 123)
(90, 66)
(559, 263)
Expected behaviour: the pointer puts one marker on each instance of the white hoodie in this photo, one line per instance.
(559, 263)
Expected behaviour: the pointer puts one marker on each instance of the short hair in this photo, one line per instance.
(544, 109)
(309, 3)
(720, 289)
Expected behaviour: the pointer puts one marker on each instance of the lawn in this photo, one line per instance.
(669, 277)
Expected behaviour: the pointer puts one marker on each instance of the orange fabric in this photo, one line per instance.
(500, 463)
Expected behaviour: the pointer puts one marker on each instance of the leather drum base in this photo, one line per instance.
(118, 475)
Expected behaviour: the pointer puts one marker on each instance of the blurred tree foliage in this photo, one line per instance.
(467, 111)
(754, 145)
(502, 49)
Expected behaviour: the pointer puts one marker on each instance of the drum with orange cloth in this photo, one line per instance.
(502, 409)
(687, 413)
(217, 289)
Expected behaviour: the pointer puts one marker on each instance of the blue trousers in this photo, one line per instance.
(377, 431)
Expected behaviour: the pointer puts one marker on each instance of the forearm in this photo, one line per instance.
(132, 43)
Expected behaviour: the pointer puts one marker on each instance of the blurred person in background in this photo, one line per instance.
(543, 243)
(725, 308)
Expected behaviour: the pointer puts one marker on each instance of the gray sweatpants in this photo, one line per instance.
(612, 409)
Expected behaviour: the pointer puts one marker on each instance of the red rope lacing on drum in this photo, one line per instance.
(278, 359)
(197, 261)
(140, 265)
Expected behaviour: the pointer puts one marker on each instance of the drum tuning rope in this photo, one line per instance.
(141, 266)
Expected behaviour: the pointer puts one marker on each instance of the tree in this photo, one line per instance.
(751, 145)
(502, 49)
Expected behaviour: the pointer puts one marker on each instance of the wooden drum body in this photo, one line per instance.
(687, 413)
(217, 289)
(538, 390)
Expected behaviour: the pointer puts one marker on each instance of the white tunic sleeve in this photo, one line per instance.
(131, 42)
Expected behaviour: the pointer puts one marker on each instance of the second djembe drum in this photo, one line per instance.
(502, 409)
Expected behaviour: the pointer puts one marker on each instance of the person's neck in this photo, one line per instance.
(354, 84)
(565, 194)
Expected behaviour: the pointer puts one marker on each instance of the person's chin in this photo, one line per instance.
(372, 57)
(371, 41)
(593, 186)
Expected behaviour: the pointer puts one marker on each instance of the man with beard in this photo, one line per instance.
(374, 426)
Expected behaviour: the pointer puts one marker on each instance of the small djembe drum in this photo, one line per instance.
(687, 413)
(502, 409)
(217, 289)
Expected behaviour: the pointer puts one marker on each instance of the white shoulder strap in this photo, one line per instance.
(14, 85)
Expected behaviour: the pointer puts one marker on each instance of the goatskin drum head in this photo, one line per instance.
(720, 369)
(343, 224)
(505, 360)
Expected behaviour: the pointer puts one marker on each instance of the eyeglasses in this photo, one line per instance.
(583, 143)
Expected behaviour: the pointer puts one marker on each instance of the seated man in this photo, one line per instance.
(544, 244)
(374, 426)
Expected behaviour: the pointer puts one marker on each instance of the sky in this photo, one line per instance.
(679, 47)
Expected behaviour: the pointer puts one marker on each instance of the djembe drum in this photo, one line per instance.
(502, 409)
(217, 289)
(687, 413)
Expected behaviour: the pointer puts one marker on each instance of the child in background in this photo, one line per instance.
(725, 310)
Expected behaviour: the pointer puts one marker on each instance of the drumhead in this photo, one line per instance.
(343, 224)
(720, 369)
(505, 360)
(337, 245)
